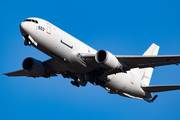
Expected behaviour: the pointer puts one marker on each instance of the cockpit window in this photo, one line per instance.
(31, 20)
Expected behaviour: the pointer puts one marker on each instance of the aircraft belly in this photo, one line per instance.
(125, 83)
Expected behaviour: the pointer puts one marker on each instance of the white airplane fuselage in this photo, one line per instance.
(65, 49)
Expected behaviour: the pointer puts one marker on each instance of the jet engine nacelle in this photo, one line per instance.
(108, 60)
(34, 67)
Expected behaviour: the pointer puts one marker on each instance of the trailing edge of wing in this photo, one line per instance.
(161, 88)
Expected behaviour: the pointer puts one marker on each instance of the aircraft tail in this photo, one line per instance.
(146, 73)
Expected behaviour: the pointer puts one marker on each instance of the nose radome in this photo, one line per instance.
(24, 28)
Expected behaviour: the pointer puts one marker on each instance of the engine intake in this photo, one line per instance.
(108, 60)
(34, 67)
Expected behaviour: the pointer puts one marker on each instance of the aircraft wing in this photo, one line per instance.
(138, 61)
(17, 73)
(50, 68)
(148, 61)
(21, 73)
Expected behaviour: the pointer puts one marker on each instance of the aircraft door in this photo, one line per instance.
(48, 28)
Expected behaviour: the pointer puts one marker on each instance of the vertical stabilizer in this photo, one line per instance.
(146, 73)
(152, 50)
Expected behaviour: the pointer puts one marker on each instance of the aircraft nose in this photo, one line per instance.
(24, 28)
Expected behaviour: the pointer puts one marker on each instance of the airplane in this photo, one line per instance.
(125, 75)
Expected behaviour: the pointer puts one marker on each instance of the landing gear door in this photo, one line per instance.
(48, 26)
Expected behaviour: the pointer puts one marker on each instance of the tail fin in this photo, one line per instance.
(152, 50)
(146, 73)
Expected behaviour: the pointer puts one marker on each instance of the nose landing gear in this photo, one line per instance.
(27, 42)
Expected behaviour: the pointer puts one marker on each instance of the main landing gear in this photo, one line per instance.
(99, 82)
(75, 83)
(72, 76)
(75, 80)
(97, 77)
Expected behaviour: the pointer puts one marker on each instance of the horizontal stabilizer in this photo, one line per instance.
(161, 88)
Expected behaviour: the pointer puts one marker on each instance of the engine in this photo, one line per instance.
(108, 60)
(34, 67)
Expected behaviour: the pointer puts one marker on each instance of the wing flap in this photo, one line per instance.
(161, 88)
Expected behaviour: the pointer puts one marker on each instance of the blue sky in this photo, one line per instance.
(121, 27)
